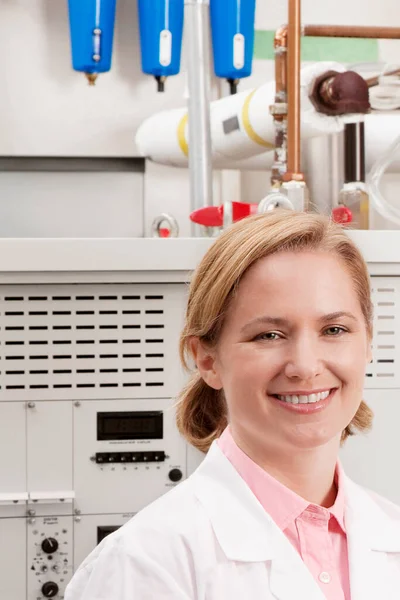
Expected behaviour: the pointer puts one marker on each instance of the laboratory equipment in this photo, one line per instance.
(232, 31)
(161, 30)
(92, 32)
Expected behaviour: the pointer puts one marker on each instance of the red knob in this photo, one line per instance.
(164, 232)
(342, 215)
(209, 216)
(213, 216)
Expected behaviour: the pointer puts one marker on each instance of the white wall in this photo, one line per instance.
(47, 108)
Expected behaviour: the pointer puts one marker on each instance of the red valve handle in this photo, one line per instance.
(213, 216)
(209, 216)
(342, 214)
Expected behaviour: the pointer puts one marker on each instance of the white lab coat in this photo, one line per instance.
(210, 539)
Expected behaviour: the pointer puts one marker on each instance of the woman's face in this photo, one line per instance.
(293, 352)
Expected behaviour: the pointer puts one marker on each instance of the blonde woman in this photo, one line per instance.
(279, 326)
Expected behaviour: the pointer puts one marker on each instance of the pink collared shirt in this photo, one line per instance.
(318, 534)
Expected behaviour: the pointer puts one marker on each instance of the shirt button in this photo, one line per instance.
(324, 577)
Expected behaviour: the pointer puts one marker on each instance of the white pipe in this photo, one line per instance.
(242, 130)
(241, 125)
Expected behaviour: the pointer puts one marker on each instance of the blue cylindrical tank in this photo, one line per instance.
(92, 31)
(232, 31)
(161, 29)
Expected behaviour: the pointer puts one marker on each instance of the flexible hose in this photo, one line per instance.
(387, 210)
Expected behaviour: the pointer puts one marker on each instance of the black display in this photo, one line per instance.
(142, 425)
(105, 530)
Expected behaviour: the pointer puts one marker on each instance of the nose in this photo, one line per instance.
(304, 360)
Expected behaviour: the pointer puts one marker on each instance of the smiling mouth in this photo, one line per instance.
(302, 398)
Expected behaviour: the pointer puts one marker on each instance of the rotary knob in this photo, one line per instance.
(49, 545)
(175, 475)
(49, 589)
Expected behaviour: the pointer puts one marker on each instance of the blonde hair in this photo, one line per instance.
(201, 410)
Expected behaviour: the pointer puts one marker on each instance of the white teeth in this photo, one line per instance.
(311, 399)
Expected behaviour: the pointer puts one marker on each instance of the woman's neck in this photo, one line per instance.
(310, 473)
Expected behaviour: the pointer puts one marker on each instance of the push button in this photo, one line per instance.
(324, 577)
(175, 475)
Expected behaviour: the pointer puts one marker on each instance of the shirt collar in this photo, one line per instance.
(246, 532)
(281, 503)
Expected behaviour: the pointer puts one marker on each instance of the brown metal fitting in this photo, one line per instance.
(280, 49)
(281, 36)
(278, 110)
(336, 93)
(288, 176)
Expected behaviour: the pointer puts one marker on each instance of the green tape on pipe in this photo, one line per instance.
(344, 50)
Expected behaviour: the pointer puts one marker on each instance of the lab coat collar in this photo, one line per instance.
(246, 532)
(243, 529)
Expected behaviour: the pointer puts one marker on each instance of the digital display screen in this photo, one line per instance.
(142, 425)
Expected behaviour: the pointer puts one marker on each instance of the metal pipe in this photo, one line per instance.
(293, 80)
(279, 108)
(324, 183)
(354, 195)
(354, 152)
(280, 47)
(350, 31)
(197, 44)
(373, 81)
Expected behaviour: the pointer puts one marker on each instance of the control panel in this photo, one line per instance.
(87, 393)
(129, 450)
(50, 556)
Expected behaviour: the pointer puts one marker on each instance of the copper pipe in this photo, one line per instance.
(350, 31)
(373, 81)
(280, 48)
(293, 79)
(279, 109)
(287, 83)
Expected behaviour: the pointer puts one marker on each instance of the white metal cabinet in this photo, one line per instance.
(372, 459)
(13, 476)
(13, 573)
(49, 452)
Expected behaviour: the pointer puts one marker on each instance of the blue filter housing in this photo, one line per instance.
(92, 32)
(161, 29)
(232, 32)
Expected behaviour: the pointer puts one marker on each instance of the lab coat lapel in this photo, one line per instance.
(246, 532)
(373, 547)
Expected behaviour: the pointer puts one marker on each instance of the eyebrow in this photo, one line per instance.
(279, 322)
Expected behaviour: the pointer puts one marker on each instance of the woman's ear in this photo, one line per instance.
(206, 363)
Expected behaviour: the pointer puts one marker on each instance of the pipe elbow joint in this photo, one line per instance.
(335, 93)
(281, 37)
